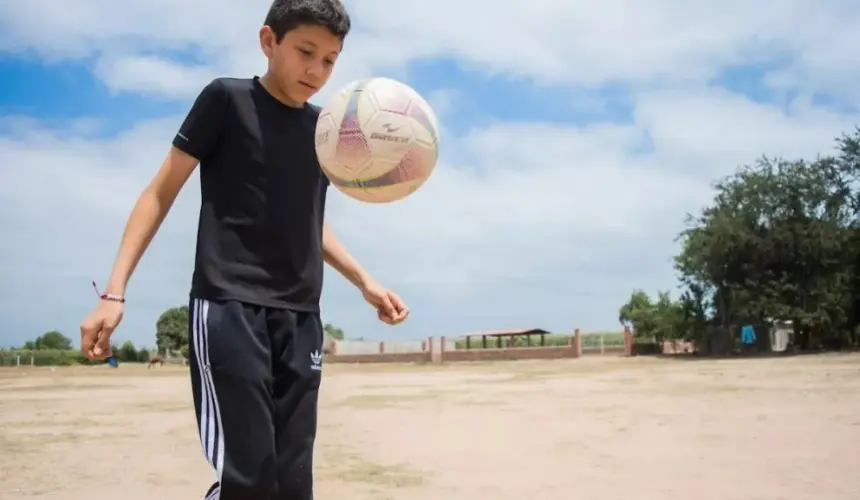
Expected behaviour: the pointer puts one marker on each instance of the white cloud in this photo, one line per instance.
(546, 40)
(713, 129)
(522, 223)
(153, 75)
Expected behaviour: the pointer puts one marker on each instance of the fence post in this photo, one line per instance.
(381, 347)
(628, 342)
(435, 355)
(577, 344)
(443, 345)
(601, 344)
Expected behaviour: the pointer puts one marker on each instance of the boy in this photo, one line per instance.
(256, 336)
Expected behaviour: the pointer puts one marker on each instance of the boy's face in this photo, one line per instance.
(303, 60)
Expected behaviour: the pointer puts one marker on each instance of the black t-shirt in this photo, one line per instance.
(259, 236)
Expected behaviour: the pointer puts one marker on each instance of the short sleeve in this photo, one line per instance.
(313, 116)
(199, 133)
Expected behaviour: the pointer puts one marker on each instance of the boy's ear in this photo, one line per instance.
(267, 40)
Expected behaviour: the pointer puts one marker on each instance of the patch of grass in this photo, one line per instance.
(368, 472)
(12, 446)
(457, 398)
(486, 402)
(77, 423)
(61, 386)
(165, 371)
(568, 369)
(571, 446)
(395, 386)
(164, 406)
(389, 400)
(624, 381)
(353, 468)
(603, 410)
(99, 371)
(335, 369)
(36, 442)
(691, 389)
(531, 376)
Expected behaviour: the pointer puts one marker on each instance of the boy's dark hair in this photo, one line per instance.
(286, 15)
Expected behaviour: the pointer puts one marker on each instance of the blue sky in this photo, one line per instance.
(572, 146)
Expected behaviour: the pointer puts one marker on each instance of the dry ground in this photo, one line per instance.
(593, 429)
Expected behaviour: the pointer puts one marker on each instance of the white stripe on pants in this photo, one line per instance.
(211, 428)
(215, 495)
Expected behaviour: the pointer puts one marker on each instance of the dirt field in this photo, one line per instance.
(592, 429)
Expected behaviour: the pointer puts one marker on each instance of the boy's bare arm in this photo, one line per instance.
(336, 255)
(390, 307)
(147, 215)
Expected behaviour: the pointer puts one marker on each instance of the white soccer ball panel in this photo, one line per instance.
(390, 95)
(415, 168)
(325, 139)
(389, 136)
(367, 109)
(379, 167)
(424, 120)
(328, 130)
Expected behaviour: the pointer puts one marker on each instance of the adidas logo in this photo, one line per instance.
(316, 360)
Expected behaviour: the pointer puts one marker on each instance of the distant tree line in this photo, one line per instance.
(779, 241)
(55, 349)
(171, 339)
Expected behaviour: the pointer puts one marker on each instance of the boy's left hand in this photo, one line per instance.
(390, 308)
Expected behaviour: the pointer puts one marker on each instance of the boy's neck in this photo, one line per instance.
(275, 92)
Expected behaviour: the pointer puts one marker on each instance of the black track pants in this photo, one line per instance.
(255, 377)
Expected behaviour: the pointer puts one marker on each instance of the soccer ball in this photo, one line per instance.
(377, 140)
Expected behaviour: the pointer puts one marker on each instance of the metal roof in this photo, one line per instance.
(506, 332)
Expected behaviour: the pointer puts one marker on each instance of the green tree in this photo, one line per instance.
(662, 319)
(171, 329)
(127, 352)
(632, 312)
(672, 320)
(333, 331)
(779, 241)
(53, 340)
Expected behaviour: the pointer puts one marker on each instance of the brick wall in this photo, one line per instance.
(437, 351)
(402, 357)
(510, 353)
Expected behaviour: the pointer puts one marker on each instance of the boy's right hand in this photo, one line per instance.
(97, 328)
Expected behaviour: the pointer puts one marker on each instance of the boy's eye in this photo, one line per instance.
(329, 62)
(305, 52)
